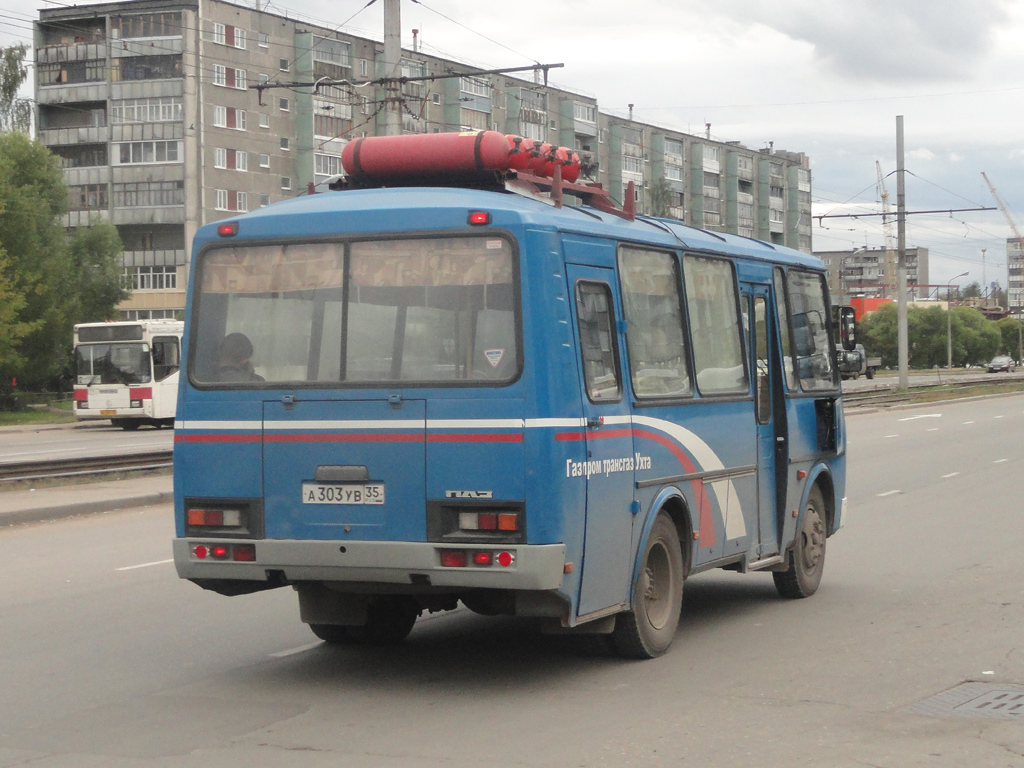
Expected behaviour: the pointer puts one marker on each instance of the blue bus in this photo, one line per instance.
(401, 398)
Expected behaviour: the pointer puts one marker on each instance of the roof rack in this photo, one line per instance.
(484, 160)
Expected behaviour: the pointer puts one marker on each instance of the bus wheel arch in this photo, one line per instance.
(647, 628)
(806, 557)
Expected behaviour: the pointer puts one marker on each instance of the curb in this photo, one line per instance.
(47, 514)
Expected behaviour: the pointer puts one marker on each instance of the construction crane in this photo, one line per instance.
(1015, 294)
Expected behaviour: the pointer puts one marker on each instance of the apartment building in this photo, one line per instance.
(150, 106)
(871, 273)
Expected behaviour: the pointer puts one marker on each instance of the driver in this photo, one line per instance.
(235, 359)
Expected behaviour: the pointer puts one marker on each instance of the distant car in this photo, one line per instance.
(1002, 363)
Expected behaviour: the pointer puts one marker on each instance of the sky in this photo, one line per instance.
(823, 77)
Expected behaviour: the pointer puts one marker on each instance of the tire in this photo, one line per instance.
(332, 634)
(389, 620)
(870, 373)
(806, 558)
(646, 630)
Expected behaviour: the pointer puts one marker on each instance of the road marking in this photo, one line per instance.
(933, 429)
(293, 651)
(888, 436)
(951, 474)
(888, 493)
(968, 422)
(144, 565)
(922, 416)
(1000, 461)
(997, 417)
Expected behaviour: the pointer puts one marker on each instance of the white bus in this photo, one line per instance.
(128, 372)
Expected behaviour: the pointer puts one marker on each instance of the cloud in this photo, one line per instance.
(884, 41)
(921, 154)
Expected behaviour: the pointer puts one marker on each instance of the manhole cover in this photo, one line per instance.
(998, 701)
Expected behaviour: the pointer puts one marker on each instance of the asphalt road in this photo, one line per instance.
(81, 440)
(109, 660)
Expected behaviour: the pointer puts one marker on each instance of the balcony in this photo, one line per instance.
(83, 135)
(70, 51)
(165, 258)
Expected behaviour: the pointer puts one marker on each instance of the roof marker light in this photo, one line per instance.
(228, 230)
(479, 218)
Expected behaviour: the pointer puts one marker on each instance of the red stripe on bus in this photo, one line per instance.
(513, 437)
(216, 438)
(331, 437)
(140, 393)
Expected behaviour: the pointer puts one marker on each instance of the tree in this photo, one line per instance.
(1010, 330)
(96, 261)
(38, 270)
(15, 113)
(975, 339)
(660, 198)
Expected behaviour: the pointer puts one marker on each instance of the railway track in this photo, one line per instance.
(69, 468)
(891, 396)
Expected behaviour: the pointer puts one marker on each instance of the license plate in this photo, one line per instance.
(111, 412)
(315, 493)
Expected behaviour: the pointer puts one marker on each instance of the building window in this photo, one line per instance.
(264, 199)
(67, 72)
(146, 152)
(283, 104)
(262, 40)
(264, 161)
(262, 79)
(81, 155)
(141, 194)
(220, 74)
(146, 25)
(220, 157)
(264, 120)
(241, 201)
(286, 182)
(436, 98)
(218, 33)
(150, 278)
(284, 143)
(229, 117)
(221, 203)
(712, 153)
(586, 113)
(241, 160)
(87, 197)
(674, 148)
(239, 38)
(151, 110)
(632, 164)
(284, 65)
(327, 165)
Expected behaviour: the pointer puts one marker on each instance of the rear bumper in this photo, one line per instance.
(535, 566)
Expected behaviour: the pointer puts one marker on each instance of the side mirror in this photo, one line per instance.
(847, 328)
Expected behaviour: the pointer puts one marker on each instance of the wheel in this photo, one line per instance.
(389, 620)
(647, 629)
(332, 634)
(870, 373)
(807, 557)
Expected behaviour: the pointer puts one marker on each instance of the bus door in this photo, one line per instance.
(770, 412)
(605, 463)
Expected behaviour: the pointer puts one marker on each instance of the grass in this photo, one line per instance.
(56, 413)
(937, 394)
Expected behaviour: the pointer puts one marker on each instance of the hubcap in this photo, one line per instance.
(813, 539)
(657, 585)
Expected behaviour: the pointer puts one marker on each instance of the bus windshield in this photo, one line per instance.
(112, 364)
(438, 309)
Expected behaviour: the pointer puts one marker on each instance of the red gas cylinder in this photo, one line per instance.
(521, 152)
(571, 170)
(545, 154)
(425, 154)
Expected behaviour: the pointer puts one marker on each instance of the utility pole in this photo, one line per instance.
(392, 67)
(901, 257)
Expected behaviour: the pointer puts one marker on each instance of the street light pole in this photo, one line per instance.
(949, 322)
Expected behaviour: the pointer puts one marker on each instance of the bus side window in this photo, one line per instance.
(597, 342)
(166, 357)
(715, 326)
(763, 391)
(656, 343)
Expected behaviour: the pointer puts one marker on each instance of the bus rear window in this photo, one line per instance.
(425, 310)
